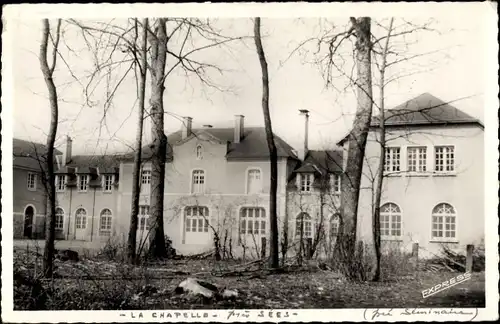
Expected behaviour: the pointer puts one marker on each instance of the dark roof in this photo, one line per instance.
(27, 154)
(425, 110)
(253, 145)
(322, 161)
(85, 163)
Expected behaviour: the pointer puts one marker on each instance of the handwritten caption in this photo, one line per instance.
(227, 315)
(384, 314)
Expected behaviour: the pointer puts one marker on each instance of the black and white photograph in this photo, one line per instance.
(249, 162)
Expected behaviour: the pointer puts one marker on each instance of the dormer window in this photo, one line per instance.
(83, 182)
(60, 183)
(107, 182)
(199, 152)
(306, 182)
(334, 183)
(145, 181)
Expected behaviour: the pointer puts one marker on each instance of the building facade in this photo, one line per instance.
(29, 199)
(217, 187)
(433, 188)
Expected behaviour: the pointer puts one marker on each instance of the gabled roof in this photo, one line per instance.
(425, 109)
(27, 154)
(253, 145)
(329, 161)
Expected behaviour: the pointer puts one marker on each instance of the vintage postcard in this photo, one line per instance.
(256, 162)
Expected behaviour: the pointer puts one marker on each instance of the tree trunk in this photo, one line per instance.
(158, 42)
(351, 264)
(136, 175)
(50, 225)
(380, 171)
(320, 232)
(273, 219)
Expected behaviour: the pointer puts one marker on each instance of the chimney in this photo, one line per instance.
(66, 158)
(186, 127)
(303, 151)
(238, 128)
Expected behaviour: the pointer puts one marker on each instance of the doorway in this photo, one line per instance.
(29, 212)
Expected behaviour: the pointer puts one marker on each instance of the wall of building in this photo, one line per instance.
(22, 198)
(225, 194)
(93, 201)
(321, 207)
(417, 195)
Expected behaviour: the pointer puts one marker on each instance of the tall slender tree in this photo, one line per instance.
(380, 172)
(49, 181)
(141, 61)
(273, 219)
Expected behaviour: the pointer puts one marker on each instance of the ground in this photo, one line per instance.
(102, 284)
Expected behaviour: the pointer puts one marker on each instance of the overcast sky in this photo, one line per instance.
(457, 72)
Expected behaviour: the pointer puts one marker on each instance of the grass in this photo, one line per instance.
(91, 285)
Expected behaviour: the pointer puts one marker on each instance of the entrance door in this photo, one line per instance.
(80, 224)
(28, 221)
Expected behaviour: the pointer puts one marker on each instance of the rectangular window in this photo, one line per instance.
(59, 220)
(253, 220)
(303, 225)
(83, 182)
(146, 177)
(60, 183)
(444, 158)
(145, 181)
(437, 226)
(107, 183)
(443, 227)
(306, 181)
(254, 181)
(417, 159)
(143, 218)
(196, 218)
(392, 159)
(198, 185)
(385, 227)
(396, 225)
(31, 181)
(335, 183)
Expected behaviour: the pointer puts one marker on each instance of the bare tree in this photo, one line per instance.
(158, 40)
(172, 43)
(274, 254)
(380, 173)
(48, 72)
(350, 262)
(142, 64)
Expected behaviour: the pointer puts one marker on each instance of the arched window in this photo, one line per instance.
(254, 181)
(81, 218)
(196, 218)
(303, 225)
(105, 221)
(59, 218)
(444, 222)
(199, 152)
(390, 221)
(334, 226)
(253, 221)
(198, 185)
